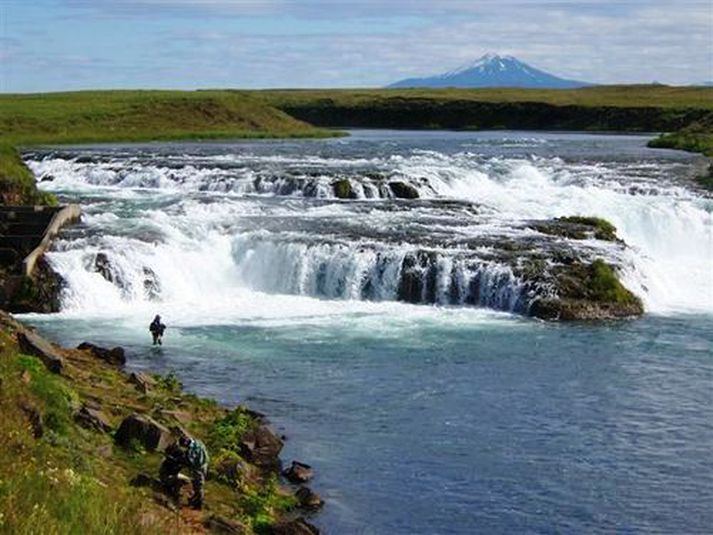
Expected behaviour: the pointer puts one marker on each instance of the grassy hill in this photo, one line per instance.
(96, 116)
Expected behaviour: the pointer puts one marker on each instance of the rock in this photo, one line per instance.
(114, 356)
(294, 527)
(35, 418)
(261, 447)
(402, 190)
(231, 469)
(93, 419)
(47, 178)
(145, 480)
(308, 499)
(143, 381)
(33, 344)
(152, 288)
(343, 189)
(103, 267)
(298, 472)
(144, 430)
(221, 524)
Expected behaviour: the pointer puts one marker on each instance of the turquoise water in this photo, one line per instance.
(491, 425)
(418, 418)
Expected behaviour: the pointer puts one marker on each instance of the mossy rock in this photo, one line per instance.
(402, 190)
(578, 228)
(588, 292)
(343, 189)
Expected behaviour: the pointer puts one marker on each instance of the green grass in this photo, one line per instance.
(633, 96)
(17, 184)
(226, 432)
(690, 140)
(103, 116)
(604, 286)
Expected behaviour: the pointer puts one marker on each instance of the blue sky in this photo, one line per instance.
(50, 45)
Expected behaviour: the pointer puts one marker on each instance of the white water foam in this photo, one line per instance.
(669, 228)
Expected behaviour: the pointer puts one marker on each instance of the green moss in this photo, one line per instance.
(343, 189)
(603, 229)
(603, 285)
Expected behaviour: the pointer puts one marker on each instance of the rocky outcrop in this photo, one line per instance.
(115, 356)
(343, 189)
(33, 344)
(143, 381)
(402, 190)
(587, 292)
(261, 447)
(298, 472)
(308, 499)
(143, 430)
(90, 418)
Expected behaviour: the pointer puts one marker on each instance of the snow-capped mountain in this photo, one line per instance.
(493, 70)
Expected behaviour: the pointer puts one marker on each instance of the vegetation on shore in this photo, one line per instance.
(87, 475)
(17, 183)
(697, 137)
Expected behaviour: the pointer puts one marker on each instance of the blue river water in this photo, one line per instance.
(425, 419)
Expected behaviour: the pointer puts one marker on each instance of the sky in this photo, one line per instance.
(52, 45)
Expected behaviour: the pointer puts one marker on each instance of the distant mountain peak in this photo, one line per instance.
(492, 70)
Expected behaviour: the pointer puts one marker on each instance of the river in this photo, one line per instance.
(453, 413)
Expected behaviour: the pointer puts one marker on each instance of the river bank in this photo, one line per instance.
(91, 436)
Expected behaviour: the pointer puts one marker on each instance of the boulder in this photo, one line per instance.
(114, 356)
(298, 526)
(298, 472)
(261, 447)
(308, 499)
(143, 381)
(343, 189)
(93, 419)
(221, 524)
(33, 344)
(146, 431)
(402, 190)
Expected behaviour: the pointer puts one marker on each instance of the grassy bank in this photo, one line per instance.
(607, 108)
(58, 476)
(17, 183)
(99, 116)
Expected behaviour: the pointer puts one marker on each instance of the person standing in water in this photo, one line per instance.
(157, 329)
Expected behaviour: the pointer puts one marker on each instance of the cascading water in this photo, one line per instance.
(188, 224)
